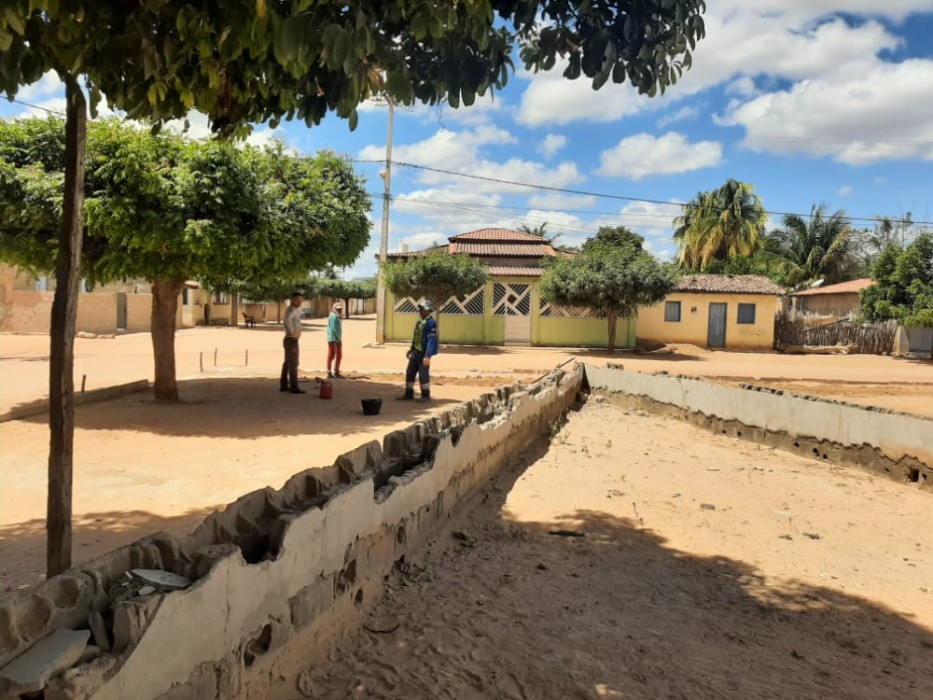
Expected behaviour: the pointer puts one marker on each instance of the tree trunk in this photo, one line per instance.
(346, 307)
(613, 323)
(164, 306)
(61, 354)
(234, 309)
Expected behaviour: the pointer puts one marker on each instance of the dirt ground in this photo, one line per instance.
(141, 467)
(707, 568)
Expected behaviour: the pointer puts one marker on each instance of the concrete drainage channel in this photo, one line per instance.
(225, 611)
(229, 610)
(886, 442)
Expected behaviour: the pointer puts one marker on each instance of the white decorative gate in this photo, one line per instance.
(513, 300)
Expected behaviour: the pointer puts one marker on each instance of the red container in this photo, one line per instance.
(327, 390)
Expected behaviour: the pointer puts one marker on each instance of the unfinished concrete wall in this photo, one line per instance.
(895, 443)
(278, 570)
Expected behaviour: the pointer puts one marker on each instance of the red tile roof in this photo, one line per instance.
(515, 271)
(521, 250)
(850, 287)
(497, 234)
(729, 284)
(492, 243)
(416, 253)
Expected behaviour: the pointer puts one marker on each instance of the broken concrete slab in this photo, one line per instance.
(162, 579)
(130, 620)
(30, 672)
(99, 630)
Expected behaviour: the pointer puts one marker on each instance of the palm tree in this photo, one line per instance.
(718, 225)
(818, 248)
(540, 231)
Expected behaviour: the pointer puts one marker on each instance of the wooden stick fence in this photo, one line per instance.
(799, 329)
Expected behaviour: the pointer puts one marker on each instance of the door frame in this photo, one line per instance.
(724, 307)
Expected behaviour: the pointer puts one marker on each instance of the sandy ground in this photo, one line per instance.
(709, 568)
(141, 467)
(105, 362)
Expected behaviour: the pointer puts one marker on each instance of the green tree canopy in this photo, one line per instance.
(249, 61)
(819, 247)
(346, 290)
(903, 284)
(613, 275)
(720, 224)
(168, 210)
(436, 276)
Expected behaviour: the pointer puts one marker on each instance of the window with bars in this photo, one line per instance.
(672, 311)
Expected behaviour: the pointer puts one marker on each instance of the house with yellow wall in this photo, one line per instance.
(508, 309)
(715, 311)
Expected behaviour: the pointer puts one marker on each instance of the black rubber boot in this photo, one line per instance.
(425, 396)
(409, 395)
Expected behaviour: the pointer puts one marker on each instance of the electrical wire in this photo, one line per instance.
(32, 106)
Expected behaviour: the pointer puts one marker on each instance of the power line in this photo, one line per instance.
(32, 106)
(625, 198)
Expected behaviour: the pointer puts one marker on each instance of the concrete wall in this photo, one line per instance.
(896, 443)
(139, 312)
(97, 313)
(278, 570)
(26, 311)
(23, 311)
(490, 330)
(694, 320)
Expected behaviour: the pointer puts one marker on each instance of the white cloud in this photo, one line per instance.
(743, 86)
(845, 191)
(551, 144)
(420, 241)
(861, 120)
(740, 43)
(649, 218)
(199, 128)
(642, 155)
(49, 85)
(559, 200)
(680, 115)
(463, 152)
(42, 108)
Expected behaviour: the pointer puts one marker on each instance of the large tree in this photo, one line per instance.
(903, 284)
(436, 276)
(167, 210)
(247, 61)
(613, 275)
(346, 290)
(818, 247)
(720, 224)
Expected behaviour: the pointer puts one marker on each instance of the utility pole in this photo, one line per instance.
(386, 176)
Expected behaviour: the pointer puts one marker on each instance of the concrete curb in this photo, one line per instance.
(35, 408)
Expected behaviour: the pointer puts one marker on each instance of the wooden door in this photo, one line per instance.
(716, 331)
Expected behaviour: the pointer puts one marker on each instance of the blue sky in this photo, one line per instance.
(813, 102)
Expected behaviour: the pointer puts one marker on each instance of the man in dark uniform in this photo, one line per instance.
(423, 348)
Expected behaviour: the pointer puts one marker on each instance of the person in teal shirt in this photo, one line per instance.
(335, 341)
(423, 348)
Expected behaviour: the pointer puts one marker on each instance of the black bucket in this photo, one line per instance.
(371, 407)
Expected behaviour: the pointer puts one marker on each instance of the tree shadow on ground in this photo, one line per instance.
(496, 607)
(22, 545)
(253, 407)
(621, 355)
(473, 350)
